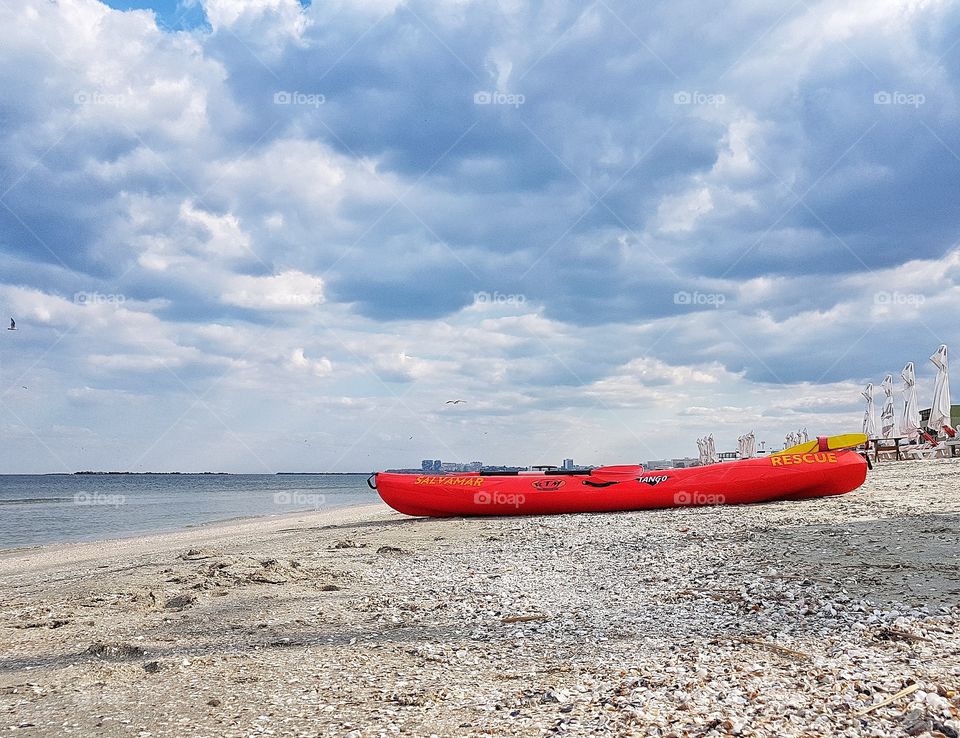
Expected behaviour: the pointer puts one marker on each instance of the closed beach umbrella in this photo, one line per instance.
(870, 415)
(940, 410)
(711, 449)
(748, 445)
(751, 444)
(910, 423)
(702, 451)
(887, 419)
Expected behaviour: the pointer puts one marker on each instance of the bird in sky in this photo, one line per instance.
(454, 402)
(13, 325)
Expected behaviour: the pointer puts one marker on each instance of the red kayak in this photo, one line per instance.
(784, 477)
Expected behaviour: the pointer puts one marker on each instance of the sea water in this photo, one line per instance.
(60, 508)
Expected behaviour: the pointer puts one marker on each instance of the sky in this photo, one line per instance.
(268, 235)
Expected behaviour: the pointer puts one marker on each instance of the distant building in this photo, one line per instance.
(436, 465)
(954, 413)
(685, 462)
(655, 464)
(568, 464)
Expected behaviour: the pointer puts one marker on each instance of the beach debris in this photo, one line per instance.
(389, 549)
(948, 730)
(916, 722)
(243, 570)
(22, 688)
(144, 599)
(525, 618)
(348, 544)
(180, 602)
(52, 623)
(267, 578)
(411, 699)
(889, 700)
(889, 633)
(777, 648)
(214, 702)
(151, 667)
(196, 554)
(330, 588)
(286, 641)
(115, 651)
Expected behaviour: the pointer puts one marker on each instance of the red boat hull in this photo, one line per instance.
(793, 477)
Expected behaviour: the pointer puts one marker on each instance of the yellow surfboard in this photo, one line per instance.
(834, 443)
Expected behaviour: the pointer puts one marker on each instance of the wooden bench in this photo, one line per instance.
(885, 446)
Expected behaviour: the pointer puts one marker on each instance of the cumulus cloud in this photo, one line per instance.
(299, 362)
(286, 291)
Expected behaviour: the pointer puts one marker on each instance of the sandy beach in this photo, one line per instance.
(837, 616)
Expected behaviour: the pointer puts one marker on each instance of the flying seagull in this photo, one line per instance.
(454, 402)
(13, 325)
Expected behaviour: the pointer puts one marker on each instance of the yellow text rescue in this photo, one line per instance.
(821, 458)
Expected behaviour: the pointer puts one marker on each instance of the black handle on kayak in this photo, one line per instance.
(373, 484)
(598, 484)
